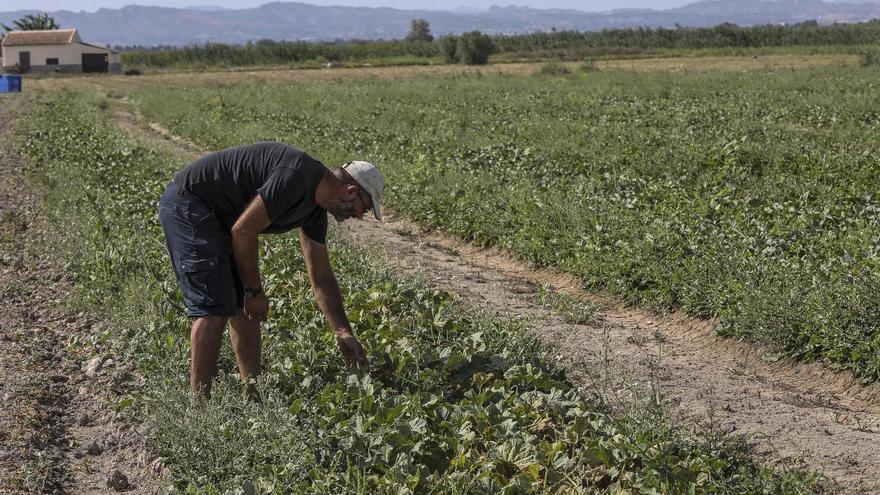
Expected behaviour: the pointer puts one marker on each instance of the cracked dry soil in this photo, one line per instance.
(61, 374)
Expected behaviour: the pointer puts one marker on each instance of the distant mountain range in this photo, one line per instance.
(141, 25)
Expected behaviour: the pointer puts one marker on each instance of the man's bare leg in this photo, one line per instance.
(204, 340)
(246, 342)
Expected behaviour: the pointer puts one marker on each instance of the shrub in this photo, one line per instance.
(447, 48)
(588, 66)
(553, 68)
(420, 30)
(474, 48)
(870, 56)
(133, 72)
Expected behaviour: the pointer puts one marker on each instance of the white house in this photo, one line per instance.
(57, 50)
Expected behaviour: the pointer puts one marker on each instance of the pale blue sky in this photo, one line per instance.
(589, 6)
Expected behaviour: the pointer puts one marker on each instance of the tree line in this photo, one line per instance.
(727, 35)
(476, 47)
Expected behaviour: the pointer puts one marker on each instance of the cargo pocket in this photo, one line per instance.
(201, 215)
(201, 282)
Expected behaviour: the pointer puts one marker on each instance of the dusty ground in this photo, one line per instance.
(59, 428)
(786, 409)
(279, 75)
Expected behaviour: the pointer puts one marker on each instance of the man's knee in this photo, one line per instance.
(209, 324)
(244, 327)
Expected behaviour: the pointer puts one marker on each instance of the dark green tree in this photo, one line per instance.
(474, 48)
(419, 30)
(32, 22)
(448, 44)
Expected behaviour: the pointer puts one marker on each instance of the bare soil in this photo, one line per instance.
(788, 411)
(285, 75)
(60, 431)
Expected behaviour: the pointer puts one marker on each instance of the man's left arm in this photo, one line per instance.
(329, 298)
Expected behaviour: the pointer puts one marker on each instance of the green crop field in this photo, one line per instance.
(747, 196)
(635, 185)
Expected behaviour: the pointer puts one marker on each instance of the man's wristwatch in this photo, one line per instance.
(252, 293)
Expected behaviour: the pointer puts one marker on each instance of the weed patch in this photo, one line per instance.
(572, 310)
(553, 68)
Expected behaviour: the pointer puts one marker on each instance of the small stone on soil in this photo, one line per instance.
(94, 366)
(117, 481)
(157, 467)
(94, 448)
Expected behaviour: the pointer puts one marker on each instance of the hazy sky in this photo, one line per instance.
(586, 5)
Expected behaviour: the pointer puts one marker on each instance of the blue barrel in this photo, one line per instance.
(10, 83)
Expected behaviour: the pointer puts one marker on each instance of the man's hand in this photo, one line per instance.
(257, 308)
(245, 248)
(352, 352)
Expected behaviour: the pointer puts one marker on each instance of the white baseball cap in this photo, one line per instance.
(370, 179)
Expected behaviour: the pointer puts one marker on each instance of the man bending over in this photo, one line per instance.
(212, 214)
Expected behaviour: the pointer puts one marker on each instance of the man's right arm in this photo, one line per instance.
(245, 248)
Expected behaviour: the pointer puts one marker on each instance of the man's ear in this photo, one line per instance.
(351, 192)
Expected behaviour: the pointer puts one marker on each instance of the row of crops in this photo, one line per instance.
(747, 196)
(453, 402)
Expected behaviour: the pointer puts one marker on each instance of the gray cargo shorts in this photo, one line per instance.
(201, 254)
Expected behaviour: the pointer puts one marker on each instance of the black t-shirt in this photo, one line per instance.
(285, 177)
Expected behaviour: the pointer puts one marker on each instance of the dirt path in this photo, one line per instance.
(786, 409)
(59, 384)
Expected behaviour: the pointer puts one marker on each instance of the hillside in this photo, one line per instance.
(142, 25)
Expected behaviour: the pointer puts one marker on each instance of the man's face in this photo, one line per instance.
(342, 210)
(355, 208)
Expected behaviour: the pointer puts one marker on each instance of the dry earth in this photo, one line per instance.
(281, 75)
(787, 410)
(61, 375)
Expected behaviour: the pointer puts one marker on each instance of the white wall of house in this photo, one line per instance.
(66, 54)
